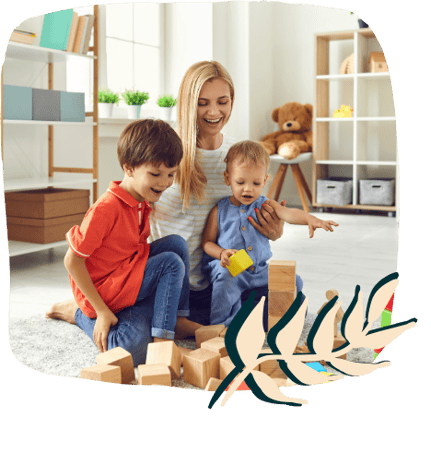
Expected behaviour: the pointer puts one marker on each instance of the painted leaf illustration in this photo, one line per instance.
(356, 368)
(301, 373)
(321, 337)
(266, 389)
(283, 337)
(251, 336)
(381, 337)
(380, 296)
(353, 320)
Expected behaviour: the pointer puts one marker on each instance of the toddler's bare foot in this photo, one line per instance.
(63, 311)
(185, 328)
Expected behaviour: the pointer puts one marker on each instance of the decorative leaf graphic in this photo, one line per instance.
(321, 337)
(353, 320)
(356, 368)
(381, 337)
(283, 337)
(266, 389)
(380, 296)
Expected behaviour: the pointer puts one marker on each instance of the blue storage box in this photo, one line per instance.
(17, 102)
(46, 105)
(72, 106)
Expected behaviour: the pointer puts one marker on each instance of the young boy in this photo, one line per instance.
(112, 267)
(228, 230)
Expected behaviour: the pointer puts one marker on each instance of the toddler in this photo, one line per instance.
(228, 230)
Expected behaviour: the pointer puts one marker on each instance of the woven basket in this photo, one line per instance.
(347, 66)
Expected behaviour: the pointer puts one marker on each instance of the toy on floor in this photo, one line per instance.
(239, 262)
(386, 320)
(281, 289)
(339, 316)
(344, 112)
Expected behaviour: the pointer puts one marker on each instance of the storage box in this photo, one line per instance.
(378, 63)
(377, 191)
(17, 102)
(334, 191)
(46, 105)
(47, 203)
(43, 216)
(72, 106)
(41, 231)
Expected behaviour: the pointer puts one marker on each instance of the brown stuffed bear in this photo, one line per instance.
(295, 135)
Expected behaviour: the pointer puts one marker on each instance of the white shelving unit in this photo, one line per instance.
(57, 176)
(363, 146)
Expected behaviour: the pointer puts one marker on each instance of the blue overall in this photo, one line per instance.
(236, 232)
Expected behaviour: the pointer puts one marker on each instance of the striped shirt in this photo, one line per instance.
(167, 216)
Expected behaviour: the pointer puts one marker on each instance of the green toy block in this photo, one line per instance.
(386, 318)
(239, 262)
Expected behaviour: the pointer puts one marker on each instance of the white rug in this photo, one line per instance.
(55, 347)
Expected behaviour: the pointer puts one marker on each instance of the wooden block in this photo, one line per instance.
(339, 316)
(282, 275)
(216, 345)
(278, 304)
(157, 373)
(204, 333)
(184, 351)
(213, 384)
(226, 366)
(271, 367)
(107, 373)
(199, 366)
(223, 333)
(166, 353)
(119, 357)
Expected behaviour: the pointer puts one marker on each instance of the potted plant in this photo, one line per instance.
(134, 100)
(166, 102)
(107, 99)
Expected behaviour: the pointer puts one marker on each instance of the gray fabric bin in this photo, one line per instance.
(377, 192)
(46, 105)
(334, 191)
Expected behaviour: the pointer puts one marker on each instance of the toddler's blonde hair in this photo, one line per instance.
(248, 150)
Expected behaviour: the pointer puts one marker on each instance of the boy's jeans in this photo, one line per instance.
(164, 295)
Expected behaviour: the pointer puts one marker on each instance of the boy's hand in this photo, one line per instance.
(103, 324)
(314, 223)
(224, 257)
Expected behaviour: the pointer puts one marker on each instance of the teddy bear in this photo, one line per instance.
(295, 135)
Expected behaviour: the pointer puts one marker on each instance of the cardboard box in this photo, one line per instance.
(17, 102)
(46, 105)
(47, 203)
(41, 231)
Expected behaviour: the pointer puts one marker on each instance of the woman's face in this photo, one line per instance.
(214, 107)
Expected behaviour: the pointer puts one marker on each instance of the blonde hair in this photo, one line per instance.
(248, 150)
(190, 176)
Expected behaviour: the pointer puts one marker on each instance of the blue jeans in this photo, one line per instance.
(164, 295)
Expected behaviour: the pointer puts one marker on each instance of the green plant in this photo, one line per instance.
(166, 100)
(135, 97)
(107, 96)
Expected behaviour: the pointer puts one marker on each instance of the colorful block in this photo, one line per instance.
(386, 318)
(316, 366)
(239, 262)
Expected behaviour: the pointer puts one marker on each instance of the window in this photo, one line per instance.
(133, 50)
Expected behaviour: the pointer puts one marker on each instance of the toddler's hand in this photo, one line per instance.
(103, 324)
(315, 223)
(224, 257)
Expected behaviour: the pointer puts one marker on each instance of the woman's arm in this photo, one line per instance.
(270, 225)
(105, 318)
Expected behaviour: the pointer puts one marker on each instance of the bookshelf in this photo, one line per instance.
(57, 176)
(363, 146)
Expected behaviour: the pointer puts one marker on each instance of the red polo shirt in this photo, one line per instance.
(113, 240)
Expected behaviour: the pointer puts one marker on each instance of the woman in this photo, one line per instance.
(204, 107)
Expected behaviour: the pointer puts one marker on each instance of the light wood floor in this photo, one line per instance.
(361, 251)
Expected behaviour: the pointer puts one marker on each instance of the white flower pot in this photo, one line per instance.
(165, 113)
(133, 111)
(105, 110)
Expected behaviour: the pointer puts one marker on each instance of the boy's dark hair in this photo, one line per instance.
(248, 150)
(149, 141)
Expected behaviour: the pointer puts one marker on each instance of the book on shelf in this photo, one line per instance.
(72, 34)
(87, 36)
(79, 34)
(56, 29)
(23, 37)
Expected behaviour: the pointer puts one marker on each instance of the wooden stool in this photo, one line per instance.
(301, 183)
